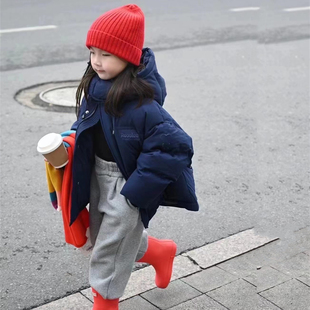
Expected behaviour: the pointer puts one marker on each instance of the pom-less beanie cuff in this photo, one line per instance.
(119, 32)
(114, 46)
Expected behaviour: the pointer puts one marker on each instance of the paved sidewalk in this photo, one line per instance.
(245, 271)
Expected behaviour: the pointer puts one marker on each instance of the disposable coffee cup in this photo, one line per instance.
(52, 148)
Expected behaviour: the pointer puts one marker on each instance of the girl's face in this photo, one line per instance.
(106, 65)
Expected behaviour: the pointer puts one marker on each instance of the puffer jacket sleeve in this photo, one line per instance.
(166, 151)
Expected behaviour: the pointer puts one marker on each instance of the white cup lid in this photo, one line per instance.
(49, 143)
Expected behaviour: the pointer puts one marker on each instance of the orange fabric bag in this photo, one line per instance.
(76, 233)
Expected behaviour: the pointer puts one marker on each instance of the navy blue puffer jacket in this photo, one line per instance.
(151, 150)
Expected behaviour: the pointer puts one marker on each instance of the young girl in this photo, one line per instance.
(130, 156)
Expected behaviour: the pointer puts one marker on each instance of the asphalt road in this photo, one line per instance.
(168, 25)
(245, 103)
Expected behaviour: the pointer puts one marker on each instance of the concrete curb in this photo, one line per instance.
(186, 264)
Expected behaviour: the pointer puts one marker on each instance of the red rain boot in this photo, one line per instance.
(104, 304)
(160, 254)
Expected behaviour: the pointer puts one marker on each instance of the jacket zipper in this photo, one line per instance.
(113, 125)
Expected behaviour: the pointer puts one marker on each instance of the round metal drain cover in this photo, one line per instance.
(53, 96)
(60, 96)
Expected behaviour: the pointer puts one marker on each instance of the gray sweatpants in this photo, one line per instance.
(116, 231)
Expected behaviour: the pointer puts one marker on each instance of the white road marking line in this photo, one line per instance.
(245, 9)
(305, 8)
(28, 29)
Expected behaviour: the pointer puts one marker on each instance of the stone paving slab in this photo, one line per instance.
(146, 276)
(202, 302)
(286, 247)
(176, 293)
(266, 277)
(295, 266)
(73, 302)
(307, 252)
(270, 253)
(88, 294)
(291, 295)
(182, 267)
(136, 303)
(241, 266)
(240, 295)
(305, 279)
(232, 246)
(209, 279)
(302, 238)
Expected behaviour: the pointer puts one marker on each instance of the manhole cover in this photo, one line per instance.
(60, 96)
(53, 96)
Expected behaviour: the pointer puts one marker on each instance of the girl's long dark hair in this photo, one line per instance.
(125, 86)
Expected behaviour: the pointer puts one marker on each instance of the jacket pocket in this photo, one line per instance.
(190, 182)
(182, 192)
(131, 206)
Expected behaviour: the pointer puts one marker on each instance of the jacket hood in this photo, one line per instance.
(98, 89)
(151, 75)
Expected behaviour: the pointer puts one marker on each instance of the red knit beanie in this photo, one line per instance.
(119, 32)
